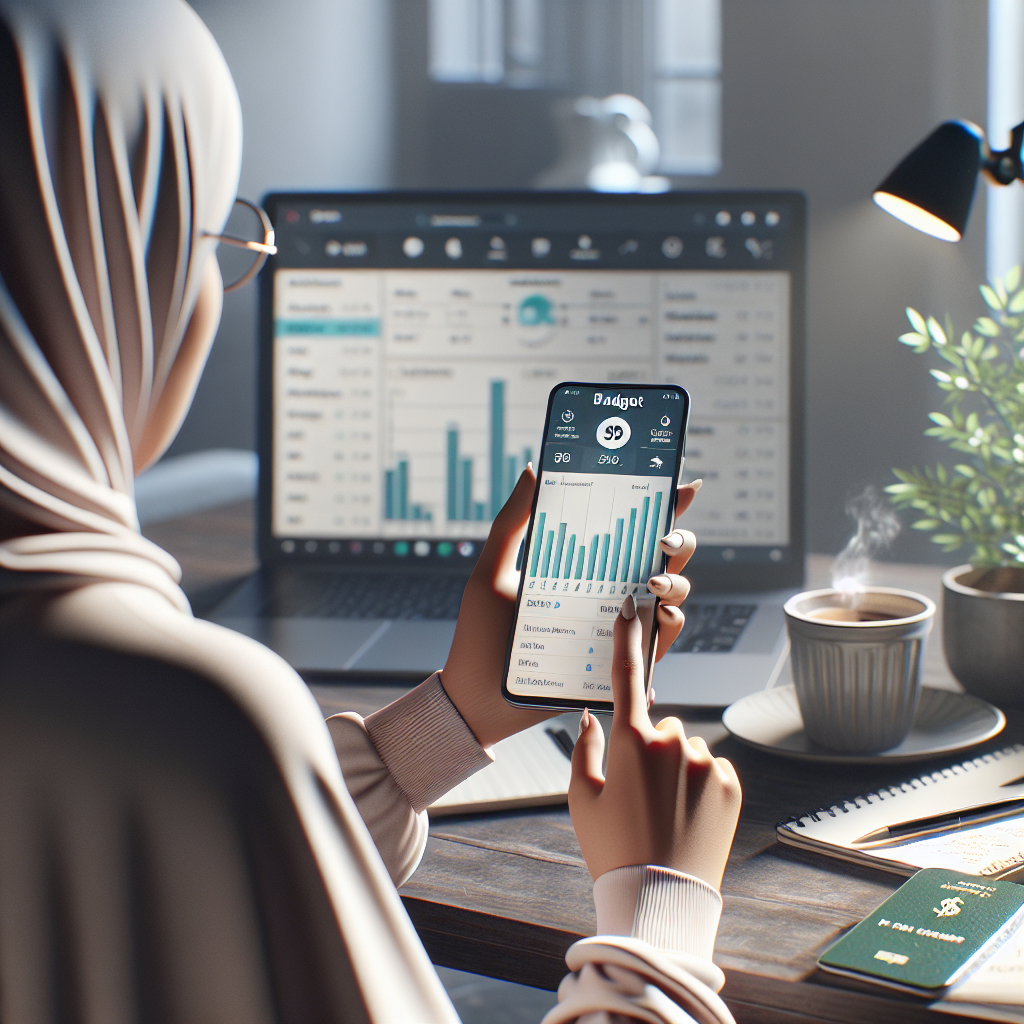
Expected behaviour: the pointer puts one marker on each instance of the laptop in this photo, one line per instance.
(408, 342)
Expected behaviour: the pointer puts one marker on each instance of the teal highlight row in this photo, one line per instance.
(369, 327)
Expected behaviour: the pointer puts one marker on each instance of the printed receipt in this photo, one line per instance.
(987, 850)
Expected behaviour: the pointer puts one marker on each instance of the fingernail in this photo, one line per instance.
(673, 539)
(659, 584)
(584, 723)
(697, 484)
(629, 608)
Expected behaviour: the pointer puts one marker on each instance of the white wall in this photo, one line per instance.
(314, 80)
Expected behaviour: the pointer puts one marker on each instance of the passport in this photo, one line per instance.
(930, 933)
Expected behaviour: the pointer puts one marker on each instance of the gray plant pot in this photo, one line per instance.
(983, 632)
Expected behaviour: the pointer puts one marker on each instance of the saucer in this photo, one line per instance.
(770, 720)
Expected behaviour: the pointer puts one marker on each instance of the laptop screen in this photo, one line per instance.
(409, 343)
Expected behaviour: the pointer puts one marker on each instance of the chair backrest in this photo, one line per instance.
(153, 865)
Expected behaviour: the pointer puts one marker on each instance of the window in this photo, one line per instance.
(667, 53)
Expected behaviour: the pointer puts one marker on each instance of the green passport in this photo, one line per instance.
(931, 932)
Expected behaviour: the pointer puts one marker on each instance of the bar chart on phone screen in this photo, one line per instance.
(596, 535)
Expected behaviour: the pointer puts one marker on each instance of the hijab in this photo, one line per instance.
(120, 148)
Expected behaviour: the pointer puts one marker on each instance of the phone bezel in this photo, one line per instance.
(572, 703)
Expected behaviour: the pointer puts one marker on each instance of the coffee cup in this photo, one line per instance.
(856, 663)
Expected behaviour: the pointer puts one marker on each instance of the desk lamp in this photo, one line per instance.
(932, 188)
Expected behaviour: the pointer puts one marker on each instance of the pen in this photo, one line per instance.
(949, 822)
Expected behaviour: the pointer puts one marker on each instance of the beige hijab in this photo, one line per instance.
(120, 145)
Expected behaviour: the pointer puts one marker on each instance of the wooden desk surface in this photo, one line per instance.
(506, 894)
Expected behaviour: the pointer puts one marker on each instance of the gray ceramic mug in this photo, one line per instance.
(857, 669)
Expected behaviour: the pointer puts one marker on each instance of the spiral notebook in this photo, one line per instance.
(994, 849)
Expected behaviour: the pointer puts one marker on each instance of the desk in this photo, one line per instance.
(506, 894)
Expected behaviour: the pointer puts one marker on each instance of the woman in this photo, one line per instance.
(120, 143)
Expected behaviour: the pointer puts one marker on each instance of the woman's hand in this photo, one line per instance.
(666, 800)
(472, 674)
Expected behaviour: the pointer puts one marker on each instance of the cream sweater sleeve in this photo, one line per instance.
(401, 759)
(651, 958)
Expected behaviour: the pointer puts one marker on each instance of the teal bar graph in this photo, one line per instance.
(537, 534)
(629, 545)
(558, 549)
(652, 541)
(602, 561)
(641, 530)
(546, 562)
(624, 553)
(466, 488)
(616, 546)
(457, 499)
(498, 466)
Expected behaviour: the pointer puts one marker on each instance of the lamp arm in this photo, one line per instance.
(1004, 167)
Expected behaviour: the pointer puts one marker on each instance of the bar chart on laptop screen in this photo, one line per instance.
(406, 404)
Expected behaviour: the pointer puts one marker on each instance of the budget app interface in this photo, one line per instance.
(609, 466)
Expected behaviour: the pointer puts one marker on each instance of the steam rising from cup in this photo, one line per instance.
(877, 527)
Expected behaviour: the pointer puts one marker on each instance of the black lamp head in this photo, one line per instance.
(932, 188)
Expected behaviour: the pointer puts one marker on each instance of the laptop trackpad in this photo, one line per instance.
(416, 646)
(312, 645)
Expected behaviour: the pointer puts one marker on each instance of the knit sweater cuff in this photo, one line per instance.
(670, 910)
(425, 743)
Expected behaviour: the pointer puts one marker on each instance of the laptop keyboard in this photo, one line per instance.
(712, 627)
(365, 595)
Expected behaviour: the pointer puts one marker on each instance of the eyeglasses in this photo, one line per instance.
(254, 253)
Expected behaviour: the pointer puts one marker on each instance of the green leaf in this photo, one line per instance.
(926, 524)
(937, 333)
(902, 489)
(990, 297)
(947, 538)
(1017, 303)
(916, 321)
(967, 471)
(987, 326)
(991, 351)
(1012, 279)
(938, 417)
(914, 339)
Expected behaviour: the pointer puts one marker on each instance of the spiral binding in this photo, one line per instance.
(845, 805)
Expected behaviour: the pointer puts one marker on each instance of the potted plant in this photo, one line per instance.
(979, 501)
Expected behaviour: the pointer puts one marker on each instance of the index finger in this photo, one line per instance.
(629, 691)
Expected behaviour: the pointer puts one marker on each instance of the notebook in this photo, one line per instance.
(530, 769)
(408, 342)
(994, 849)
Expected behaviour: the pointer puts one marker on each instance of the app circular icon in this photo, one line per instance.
(413, 247)
(466, 549)
(665, 421)
(421, 548)
(613, 432)
(536, 320)
(567, 416)
(672, 247)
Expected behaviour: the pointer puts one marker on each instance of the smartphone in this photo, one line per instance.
(606, 494)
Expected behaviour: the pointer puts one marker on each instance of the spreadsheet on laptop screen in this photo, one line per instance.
(407, 398)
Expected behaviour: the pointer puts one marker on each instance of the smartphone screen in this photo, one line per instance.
(610, 461)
